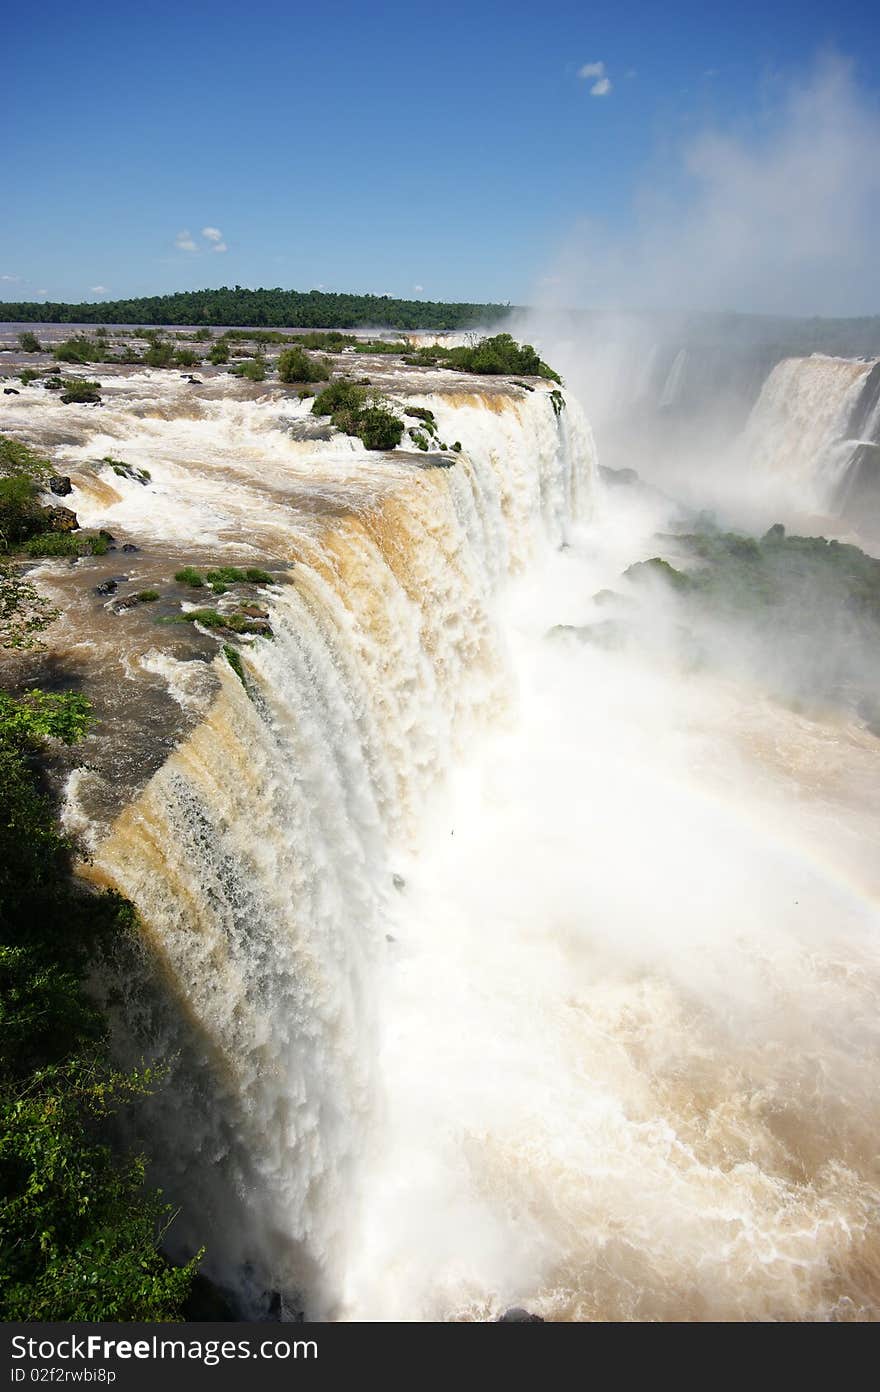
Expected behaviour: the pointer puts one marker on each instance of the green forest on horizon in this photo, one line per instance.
(319, 309)
(262, 309)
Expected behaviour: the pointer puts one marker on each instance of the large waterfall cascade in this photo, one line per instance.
(489, 968)
(261, 853)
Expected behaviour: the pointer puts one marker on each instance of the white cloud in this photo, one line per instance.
(184, 242)
(213, 234)
(220, 246)
(601, 88)
(592, 70)
(98, 289)
(777, 217)
(418, 289)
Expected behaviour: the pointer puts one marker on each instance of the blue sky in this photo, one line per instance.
(452, 147)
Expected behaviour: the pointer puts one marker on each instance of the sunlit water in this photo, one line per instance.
(607, 1046)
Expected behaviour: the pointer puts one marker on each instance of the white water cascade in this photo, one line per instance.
(492, 968)
(796, 438)
(261, 854)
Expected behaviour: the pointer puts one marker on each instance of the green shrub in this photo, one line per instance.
(24, 612)
(160, 354)
(421, 413)
(418, 439)
(79, 349)
(354, 410)
(254, 369)
(223, 576)
(29, 343)
(20, 512)
(203, 335)
(332, 342)
(235, 662)
(379, 428)
(185, 357)
(127, 471)
(294, 365)
(226, 575)
(341, 395)
(79, 1234)
(188, 575)
(147, 596)
(16, 458)
(28, 376)
(491, 356)
(51, 544)
(219, 354)
(379, 345)
(81, 391)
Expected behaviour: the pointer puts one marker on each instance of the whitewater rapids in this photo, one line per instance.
(495, 969)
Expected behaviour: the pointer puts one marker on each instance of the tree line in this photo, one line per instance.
(262, 308)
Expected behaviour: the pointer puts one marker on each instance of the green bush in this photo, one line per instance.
(224, 576)
(28, 376)
(254, 369)
(235, 662)
(185, 357)
(79, 349)
(29, 343)
(379, 428)
(339, 396)
(212, 618)
(24, 612)
(418, 439)
(20, 512)
(81, 391)
(203, 335)
(358, 412)
(379, 345)
(127, 471)
(16, 458)
(51, 544)
(491, 356)
(332, 342)
(294, 365)
(188, 575)
(147, 596)
(219, 354)
(79, 1233)
(160, 354)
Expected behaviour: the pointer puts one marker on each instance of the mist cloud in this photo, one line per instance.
(780, 219)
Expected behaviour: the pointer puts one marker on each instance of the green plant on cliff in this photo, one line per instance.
(80, 1233)
(359, 412)
(496, 356)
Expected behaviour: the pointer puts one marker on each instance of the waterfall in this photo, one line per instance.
(801, 434)
(261, 854)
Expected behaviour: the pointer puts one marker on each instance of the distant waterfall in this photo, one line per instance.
(809, 424)
(260, 855)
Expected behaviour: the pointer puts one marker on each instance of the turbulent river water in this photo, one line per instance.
(498, 969)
